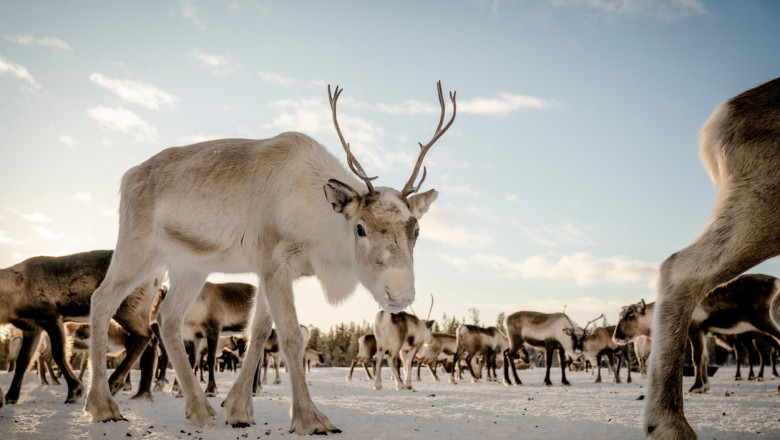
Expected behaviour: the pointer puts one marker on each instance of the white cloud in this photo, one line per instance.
(584, 268)
(36, 217)
(502, 105)
(121, 119)
(667, 9)
(19, 72)
(48, 234)
(190, 12)
(144, 94)
(68, 140)
(29, 40)
(275, 79)
(512, 198)
(5, 239)
(218, 64)
(552, 236)
(438, 227)
(85, 197)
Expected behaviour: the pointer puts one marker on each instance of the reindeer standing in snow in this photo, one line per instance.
(399, 335)
(282, 208)
(551, 331)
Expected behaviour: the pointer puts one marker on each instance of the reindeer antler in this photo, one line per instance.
(409, 188)
(430, 309)
(591, 322)
(353, 163)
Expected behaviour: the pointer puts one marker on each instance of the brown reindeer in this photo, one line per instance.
(471, 341)
(365, 355)
(551, 331)
(440, 349)
(41, 292)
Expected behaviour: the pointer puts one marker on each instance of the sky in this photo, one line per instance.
(570, 173)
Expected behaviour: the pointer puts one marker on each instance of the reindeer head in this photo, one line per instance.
(384, 221)
(630, 322)
(578, 336)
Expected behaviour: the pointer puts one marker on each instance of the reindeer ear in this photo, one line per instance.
(419, 203)
(642, 305)
(342, 197)
(429, 324)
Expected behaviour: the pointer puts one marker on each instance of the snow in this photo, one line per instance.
(584, 410)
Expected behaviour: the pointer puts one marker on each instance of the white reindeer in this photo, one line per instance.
(739, 149)
(282, 208)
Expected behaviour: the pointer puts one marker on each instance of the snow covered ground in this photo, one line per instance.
(585, 410)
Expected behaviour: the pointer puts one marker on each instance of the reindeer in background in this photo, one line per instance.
(282, 208)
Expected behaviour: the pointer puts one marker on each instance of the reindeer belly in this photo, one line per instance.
(740, 327)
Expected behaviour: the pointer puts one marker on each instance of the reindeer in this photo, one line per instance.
(598, 342)
(283, 208)
(231, 349)
(642, 353)
(441, 348)
(398, 335)
(551, 331)
(737, 148)
(312, 356)
(218, 308)
(365, 355)
(471, 341)
(741, 305)
(634, 324)
(41, 292)
(750, 343)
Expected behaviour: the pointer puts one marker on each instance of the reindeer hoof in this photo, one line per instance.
(670, 428)
(378, 387)
(199, 414)
(107, 411)
(145, 395)
(311, 422)
(759, 379)
(75, 394)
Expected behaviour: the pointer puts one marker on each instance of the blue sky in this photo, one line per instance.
(570, 172)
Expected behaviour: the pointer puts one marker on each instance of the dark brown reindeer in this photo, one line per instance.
(754, 345)
(39, 293)
(551, 331)
(471, 341)
(739, 149)
(441, 348)
(282, 208)
(366, 355)
(218, 308)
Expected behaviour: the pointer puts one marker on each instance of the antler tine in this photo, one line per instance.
(591, 322)
(353, 163)
(430, 309)
(409, 188)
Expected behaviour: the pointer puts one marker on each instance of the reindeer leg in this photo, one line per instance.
(148, 361)
(750, 356)
(548, 352)
(598, 368)
(455, 367)
(380, 353)
(433, 370)
(238, 403)
(761, 361)
(727, 248)
(627, 353)
(562, 361)
(474, 377)
(162, 361)
(306, 418)
(30, 339)
(184, 288)
(131, 265)
(352, 368)
(212, 338)
(84, 361)
(56, 333)
(277, 378)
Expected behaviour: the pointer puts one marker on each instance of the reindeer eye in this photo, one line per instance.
(361, 232)
(416, 233)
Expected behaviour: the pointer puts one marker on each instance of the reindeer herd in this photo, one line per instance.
(285, 208)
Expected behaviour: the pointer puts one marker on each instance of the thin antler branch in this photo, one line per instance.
(592, 321)
(353, 163)
(410, 188)
(431, 308)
